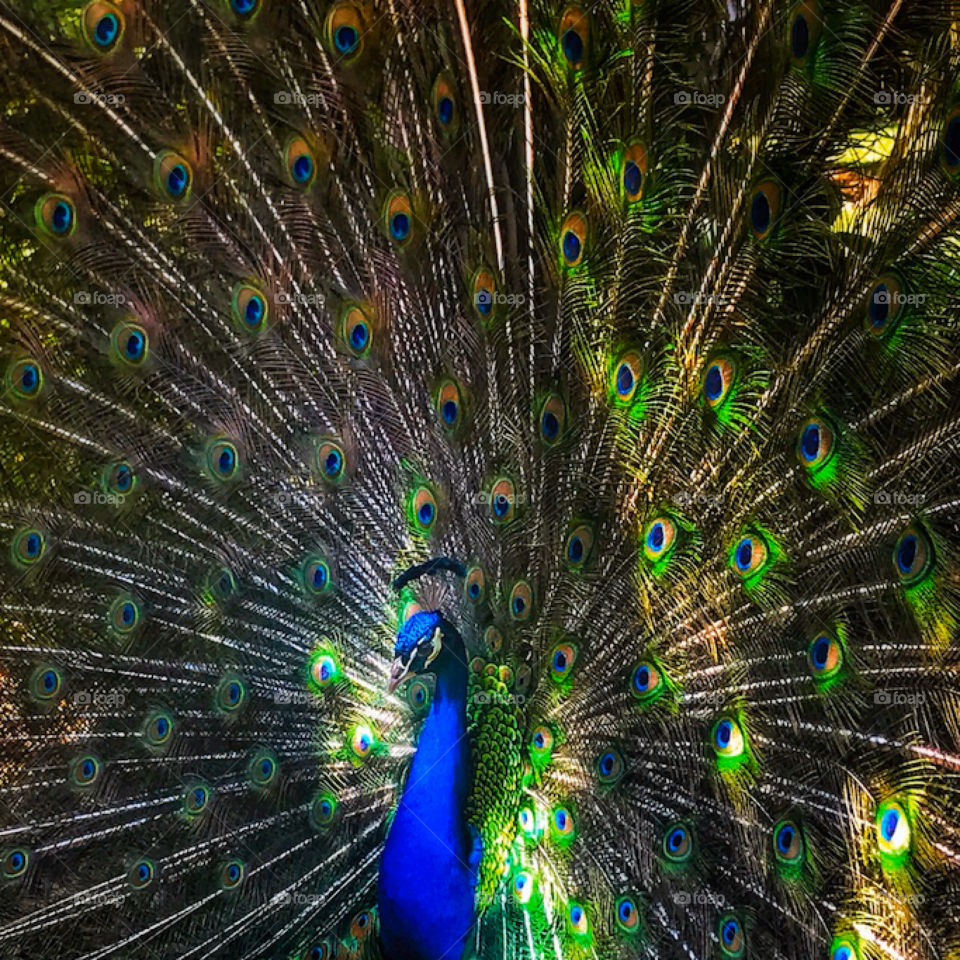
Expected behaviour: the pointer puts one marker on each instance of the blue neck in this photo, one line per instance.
(426, 884)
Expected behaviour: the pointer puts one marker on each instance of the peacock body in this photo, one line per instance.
(479, 479)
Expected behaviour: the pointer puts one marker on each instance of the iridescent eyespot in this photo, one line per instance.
(893, 830)
(727, 738)
(492, 640)
(173, 175)
(124, 614)
(577, 918)
(56, 215)
(885, 303)
(659, 539)
(232, 874)
(825, 657)
(950, 139)
(300, 163)
(262, 769)
(231, 694)
(764, 208)
(46, 683)
(249, 306)
(541, 741)
(223, 460)
(362, 741)
(718, 379)
(913, 555)
(527, 821)
(562, 823)
(158, 729)
(732, 939)
(553, 419)
(323, 810)
(627, 914)
(142, 873)
(362, 925)
(503, 500)
(85, 771)
(574, 33)
(788, 842)
(119, 478)
(610, 767)
(844, 948)
(633, 171)
(563, 658)
(331, 461)
(14, 863)
(195, 799)
(678, 843)
(24, 379)
(418, 695)
(423, 510)
(815, 444)
(484, 293)
(523, 886)
(398, 218)
(28, 546)
(521, 601)
(221, 584)
(319, 951)
(130, 343)
(627, 374)
(356, 330)
(445, 104)
(474, 585)
(245, 9)
(324, 669)
(578, 546)
(523, 679)
(449, 405)
(645, 680)
(803, 30)
(750, 554)
(103, 26)
(573, 239)
(345, 31)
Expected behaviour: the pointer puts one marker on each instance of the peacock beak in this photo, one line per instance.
(398, 673)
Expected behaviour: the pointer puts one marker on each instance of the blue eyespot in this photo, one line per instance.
(575, 550)
(722, 734)
(134, 347)
(744, 554)
(359, 335)
(346, 38)
(178, 179)
(760, 212)
(572, 44)
(425, 514)
(550, 425)
(244, 8)
(62, 218)
(799, 37)
(625, 379)
(106, 30)
(445, 110)
(400, 226)
(14, 863)
(713, 382)
(29, 377)
(254, 310)
(571, 246)
(632, 179)
(302, 168)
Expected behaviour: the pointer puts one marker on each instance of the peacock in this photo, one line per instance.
(480, 479)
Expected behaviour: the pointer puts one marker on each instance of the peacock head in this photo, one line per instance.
(420, 641)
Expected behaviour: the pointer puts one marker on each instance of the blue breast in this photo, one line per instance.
(427, 874)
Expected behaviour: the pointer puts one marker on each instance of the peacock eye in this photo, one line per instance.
(28, 546)
(245, 9)
(300, 163)
(130, 343)
(474, 585)
(195, 799)
(541, 742)
(764, 208)
(249, 306)
(750, 555)
(173, 175)
(659, 539)
(24, 379)
(398, 217)
(627, 374)
(223, 459)
(913, 555)
(843, 949)
(610, 767)
(718, 379)
(573, 32)
(677, 843)
(103, 26)
(788, 842)
(573, 239)
(503, 500)
(523, 887)
(893, 831)
(262, 769)
(315, 575)
(825, 657)
(230, 694)
(142, 874)
(14, 863)
(885, 303)
(362, 741)
(331, 461)
(815, 444)
(521, 601)
(727, 738)
(633, 172)
(158, 730)
(562, 824)
(356, 330)
(577, 918)
(563, 658)
(645, 680)
(324, 670)
(46, 683)
(323, 810)
(362, 925)
(578, 546)
(732, 939)
(55, 214)
(124, 614)
(627, 914)
(85, 771)
(232, 874)
(553, 419)
(119, 478)
(445, 103)
(449, 405)
(484, 293)
(423, 510)
(803, 30)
